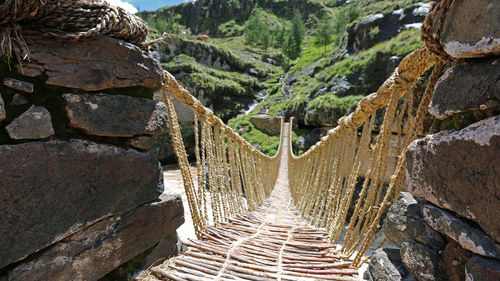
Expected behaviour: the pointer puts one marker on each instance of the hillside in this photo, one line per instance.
(236, 57)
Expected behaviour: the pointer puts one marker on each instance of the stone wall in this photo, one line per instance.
(81, 188)
(447, 226)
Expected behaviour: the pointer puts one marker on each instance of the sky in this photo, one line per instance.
(133, 6)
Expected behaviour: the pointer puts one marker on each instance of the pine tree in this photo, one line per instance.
(252, 29)
(293, 40)
(324, 33)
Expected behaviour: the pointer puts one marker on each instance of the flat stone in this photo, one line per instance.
(454, 259)
(2, 110)
(458, 171)
(30, 69)
(141, 142)
(53, 189)
(18, 99)
(94, 65)
(386, 265)
(270, 125)
(404, 223)
(18, 85)
(34, 123)
(98, 249)
(481, 269)
(468, 237)
(422, 262)
(469, 86)
(115, 115)
(471, 29)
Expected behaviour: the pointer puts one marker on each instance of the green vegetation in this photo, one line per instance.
(293, 39)
(324, 33)
(266, 143)
(160, 25)
(261, 42)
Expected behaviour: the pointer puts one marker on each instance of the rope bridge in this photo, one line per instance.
(259, 217)
(249, 231)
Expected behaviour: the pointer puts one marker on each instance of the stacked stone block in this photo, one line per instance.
(80, 187)
(447, 227)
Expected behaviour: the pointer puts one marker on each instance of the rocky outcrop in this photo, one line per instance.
(115, 115)
(471, 86)
(436, 173)
(35, 123)
(205, 11)
(91, 66)
(268, 124)
(381, 27)
(471, 29)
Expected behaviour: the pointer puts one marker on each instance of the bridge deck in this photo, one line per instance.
(271, 243)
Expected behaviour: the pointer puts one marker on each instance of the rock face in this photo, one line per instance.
(381, 27)
(386, 265)
(115, 115)
(467, 87)
(35, 123)
(89, 65)
(471, 30)
(268, 124)
(51, 190)
(404, 222)
(481, 269)
(422, 262)
(2, 110)
(91, 253)
(468, 237)
(456, 170)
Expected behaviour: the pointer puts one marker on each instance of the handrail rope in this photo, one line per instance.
(408, 71)
(194, 104)
(231, 163)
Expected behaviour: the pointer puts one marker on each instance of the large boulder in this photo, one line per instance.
(92, 65)
(468, 237)
(53, 189)
(386, 265)
(457, 170)
(270, 125)
(465, 87)
(115, 115)
(103, 246)
(404, 223)
(471, 29)
(34, 123)
(423, 262)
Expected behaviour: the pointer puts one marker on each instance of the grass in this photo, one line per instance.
(402, 44)
(267, 144)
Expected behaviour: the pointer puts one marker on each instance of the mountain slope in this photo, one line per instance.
(364, 42)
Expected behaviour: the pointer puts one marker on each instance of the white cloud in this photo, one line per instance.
(126, 6)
